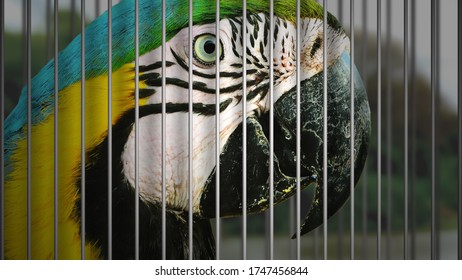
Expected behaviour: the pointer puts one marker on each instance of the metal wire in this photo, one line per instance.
(406, 130)
(341, 212)
(137, 139)
(352, 89)
(437, 129)
(56, 136)
(82, 126)
(364, 193)
(298, 142)
(29, 126)
(190, 131)
(164, 129)
(217, 131)
(325, 108)
(414, 133)
(271, 130)
(433, 127)
(459, 89)
(244, 129)
(109, 130)
(389, 132)
(2, 131)
(379, 128)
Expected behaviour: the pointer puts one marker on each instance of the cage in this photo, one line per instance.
(405, 205)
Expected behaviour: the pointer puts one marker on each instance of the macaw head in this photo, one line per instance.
(204, 167)
(257, 97)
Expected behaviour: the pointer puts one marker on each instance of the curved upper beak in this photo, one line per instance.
(311, 164)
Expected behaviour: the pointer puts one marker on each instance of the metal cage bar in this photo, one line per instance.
(379, 129)
(406, 129)
(82, 126)
(29, 126)
(413, 132)
(341, 212)
(271, 131)
(459, 90)
(2, 133)
(56, 138)
(244, 128)
(433, 127)
(109, 129)
(164, 129)
(364, 190)
(190, 131)
(217, 132)
(389, 131)
(352, 89)
(137, 138)
(298, 140)
(437, 129)
(325, 144)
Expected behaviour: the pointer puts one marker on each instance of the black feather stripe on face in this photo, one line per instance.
(123, 196)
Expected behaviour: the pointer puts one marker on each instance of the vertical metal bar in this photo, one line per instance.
(82, 125)
(271, 130)
(56, 139)
(298, 141)
(137, 139)
(217, 130)
(437, 127)
(190, 131)
(29, 128)
(433, 127)
(352, 89)
(459, 89)
(406, 130)
(2, 133)
(164, 129)
(341, 212)
(324, 125)
(244, 129)
(414, 133)
(389, 131)
(379, 128)
(109, 130)
(365, 51)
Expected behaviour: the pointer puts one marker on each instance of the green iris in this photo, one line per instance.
(205, 49)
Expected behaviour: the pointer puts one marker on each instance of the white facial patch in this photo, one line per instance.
(204, 120)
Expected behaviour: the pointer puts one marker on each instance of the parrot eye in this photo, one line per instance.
(205, 49)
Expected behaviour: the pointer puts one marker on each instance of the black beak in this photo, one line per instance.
(311, 108)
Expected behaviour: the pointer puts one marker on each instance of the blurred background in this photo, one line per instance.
(392, 128)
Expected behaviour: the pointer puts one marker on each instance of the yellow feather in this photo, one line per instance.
(42, 179)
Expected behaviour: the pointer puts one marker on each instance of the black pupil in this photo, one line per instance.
(209, 46)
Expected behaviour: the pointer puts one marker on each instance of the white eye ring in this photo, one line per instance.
(205, 49)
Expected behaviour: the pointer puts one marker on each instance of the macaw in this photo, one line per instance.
(205, 46)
